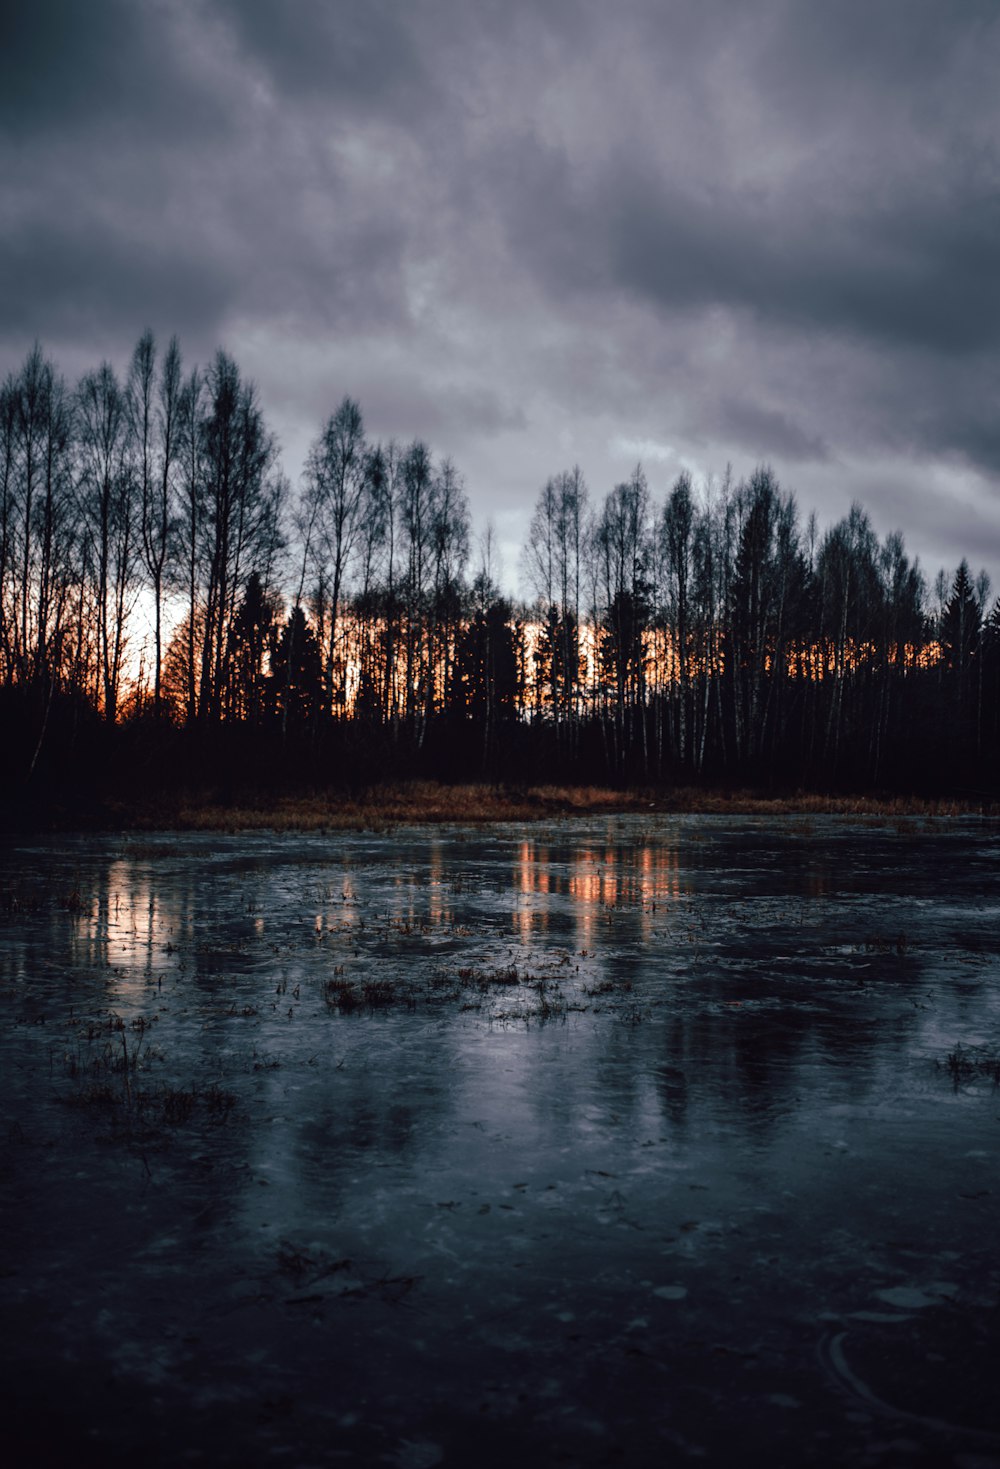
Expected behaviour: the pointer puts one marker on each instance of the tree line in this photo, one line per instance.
(158, 570)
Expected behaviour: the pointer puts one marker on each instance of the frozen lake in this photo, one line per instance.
(619, 1142)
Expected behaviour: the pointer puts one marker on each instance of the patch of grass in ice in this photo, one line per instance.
(972, 1063)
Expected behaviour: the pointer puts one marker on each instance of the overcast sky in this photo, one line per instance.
(540, 232)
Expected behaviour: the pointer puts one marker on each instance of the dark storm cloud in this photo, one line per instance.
(911, 272)
(739, 230)
(145, 178)
(66, 65)
(79, 259)
(99, 282)
(818, 195)
(358, 52)
(854, 239)
(895, 54)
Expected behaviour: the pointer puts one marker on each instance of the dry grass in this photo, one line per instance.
(969, 1063)
(428, 803)
(419, 802)
(802, 803)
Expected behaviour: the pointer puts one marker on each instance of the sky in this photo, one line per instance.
(539, 233)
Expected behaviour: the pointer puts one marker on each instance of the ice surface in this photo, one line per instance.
(590, 1144)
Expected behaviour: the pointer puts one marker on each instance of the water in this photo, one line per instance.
(628, 1141)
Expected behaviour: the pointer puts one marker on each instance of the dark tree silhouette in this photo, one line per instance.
(154, 402)
(297, 682)
(488, 688)
(702, 635)
(250, 695)
(240, 512)
(108, 514)
(335, 507)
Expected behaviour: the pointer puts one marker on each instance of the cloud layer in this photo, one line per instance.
(537, 234)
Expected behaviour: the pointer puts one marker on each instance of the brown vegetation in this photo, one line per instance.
(432, 803)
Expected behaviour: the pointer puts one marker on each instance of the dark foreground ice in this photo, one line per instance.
(625, 1142)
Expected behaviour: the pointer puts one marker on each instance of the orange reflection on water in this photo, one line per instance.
(618, 877)
(597, 879)
(439, 908)
(532, 871)
(126, 921)
(423, 906)
(533, 877)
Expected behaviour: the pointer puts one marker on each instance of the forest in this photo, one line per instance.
(173, 612)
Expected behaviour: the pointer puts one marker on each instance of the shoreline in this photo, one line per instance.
(430, 803)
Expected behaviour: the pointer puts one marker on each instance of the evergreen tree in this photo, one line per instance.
(296, 681)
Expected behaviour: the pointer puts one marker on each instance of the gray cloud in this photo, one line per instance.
(914, 273)
(773, 433)
(747, 231)
(100, 283)
(358, 53)
(118, 66)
